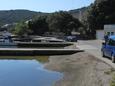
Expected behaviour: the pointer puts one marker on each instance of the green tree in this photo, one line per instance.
(21, 29)
(62, 22)
(55, 22)
(100, 13)
(39, 25)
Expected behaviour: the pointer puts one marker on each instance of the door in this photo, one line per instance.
(109, 48)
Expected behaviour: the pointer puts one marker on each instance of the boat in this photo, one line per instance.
(5, 40)
(47, 39)
(8, 47)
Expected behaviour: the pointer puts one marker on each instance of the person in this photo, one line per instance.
(106, 38)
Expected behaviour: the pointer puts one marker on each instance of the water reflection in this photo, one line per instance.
(26, 73)
(41, 59)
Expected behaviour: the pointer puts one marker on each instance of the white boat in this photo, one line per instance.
(47, 39)
(5, 40)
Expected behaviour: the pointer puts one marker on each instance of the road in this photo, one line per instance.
(93, 47)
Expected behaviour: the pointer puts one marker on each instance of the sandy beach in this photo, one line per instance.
(81, 69)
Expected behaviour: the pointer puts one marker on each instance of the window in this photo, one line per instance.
(112, 33)
(108, 33)
(111, 42)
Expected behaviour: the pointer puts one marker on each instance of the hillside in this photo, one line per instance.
(78, 13)
(13, 16)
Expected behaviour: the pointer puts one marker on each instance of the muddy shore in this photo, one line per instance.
(81, 69)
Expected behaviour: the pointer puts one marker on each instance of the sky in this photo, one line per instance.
(44, 5)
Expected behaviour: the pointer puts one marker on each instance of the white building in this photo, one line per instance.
(100, 34)
(109, 29)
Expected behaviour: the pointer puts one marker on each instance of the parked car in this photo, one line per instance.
(108, 48)
(71, 38)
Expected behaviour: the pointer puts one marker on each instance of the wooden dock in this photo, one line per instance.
(36, 52)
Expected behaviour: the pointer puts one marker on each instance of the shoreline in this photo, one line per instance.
(81, 69)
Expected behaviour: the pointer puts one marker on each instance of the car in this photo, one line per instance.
(108, 48)
(71, 38)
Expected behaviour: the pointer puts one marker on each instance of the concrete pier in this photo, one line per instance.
(36, 52)
(43, 44)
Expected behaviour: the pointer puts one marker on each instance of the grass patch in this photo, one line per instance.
(109, 71)
(112, 83)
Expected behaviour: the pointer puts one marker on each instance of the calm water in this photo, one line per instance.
(26, 73)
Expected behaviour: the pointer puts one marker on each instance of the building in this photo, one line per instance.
(100, 34)
(109, 29)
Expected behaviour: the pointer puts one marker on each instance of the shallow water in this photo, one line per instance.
(26, 73)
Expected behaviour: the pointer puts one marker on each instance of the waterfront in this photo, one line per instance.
(26, 72)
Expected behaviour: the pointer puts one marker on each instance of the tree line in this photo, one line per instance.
(98, 14)
(56, 22)
(101, 12)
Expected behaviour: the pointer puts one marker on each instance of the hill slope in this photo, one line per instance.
(78, 13)
(12, 16)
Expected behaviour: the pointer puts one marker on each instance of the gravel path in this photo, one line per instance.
(81, 69)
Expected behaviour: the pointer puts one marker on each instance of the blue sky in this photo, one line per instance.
(44, 5)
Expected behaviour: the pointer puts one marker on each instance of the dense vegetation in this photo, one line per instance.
(56, 22)
(94, 17)
(14, 16)
(63, 22)
(21, 29)
(38, 25)
(78, 13)
(100, 13)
